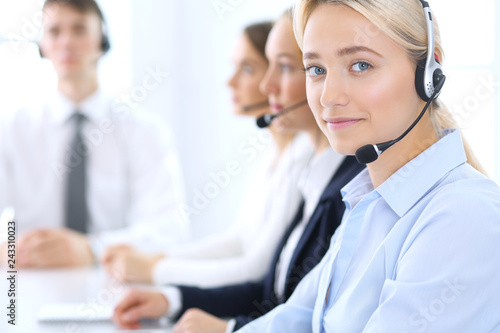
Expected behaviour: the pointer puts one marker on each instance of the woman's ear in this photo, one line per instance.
(437, 57)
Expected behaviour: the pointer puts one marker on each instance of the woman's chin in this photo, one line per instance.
(342, 149)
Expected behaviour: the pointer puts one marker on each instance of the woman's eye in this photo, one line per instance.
(54, 32)
(80, 30)
(285, 68)
(247, 69)
(315, 71)
(361, 66)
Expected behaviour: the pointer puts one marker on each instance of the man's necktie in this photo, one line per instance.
(76, 185)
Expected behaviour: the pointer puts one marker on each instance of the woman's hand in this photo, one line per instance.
(198, 321)
(129, 265)
(138, 304)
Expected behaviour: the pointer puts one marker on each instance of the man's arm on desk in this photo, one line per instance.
(51, 248)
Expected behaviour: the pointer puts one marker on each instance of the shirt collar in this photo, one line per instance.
(410, 183)
(62, 108)
(357, 188)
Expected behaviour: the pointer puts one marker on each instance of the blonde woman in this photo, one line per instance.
(417, 248)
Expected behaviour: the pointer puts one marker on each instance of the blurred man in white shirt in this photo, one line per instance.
(80, 173)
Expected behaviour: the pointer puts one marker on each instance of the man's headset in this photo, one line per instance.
(105, 44)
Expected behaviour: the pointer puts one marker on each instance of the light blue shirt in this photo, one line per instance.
(420, 253)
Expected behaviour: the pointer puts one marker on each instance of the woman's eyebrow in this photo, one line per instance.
(343, 52)
(354, 49)
(286, 55)
(310, 56)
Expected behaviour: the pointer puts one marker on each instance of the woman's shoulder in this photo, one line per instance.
(463, 205)
(466, 193)
(465, 179)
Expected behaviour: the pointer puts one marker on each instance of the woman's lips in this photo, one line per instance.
(275, 108)
(341, 123)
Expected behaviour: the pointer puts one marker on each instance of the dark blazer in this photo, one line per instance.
(251, 300)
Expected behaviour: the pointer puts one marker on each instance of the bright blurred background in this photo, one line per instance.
(192, 41)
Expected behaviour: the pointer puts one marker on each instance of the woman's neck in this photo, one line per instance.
(282, 141)
(77, 89)
(318, 139)
(418, 140)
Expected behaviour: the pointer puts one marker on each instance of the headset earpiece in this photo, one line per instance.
(105, 44)
(427, 78)
(419, 80)
(429, 71)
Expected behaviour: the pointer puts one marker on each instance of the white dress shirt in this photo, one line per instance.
(134, 179)
(244, 253)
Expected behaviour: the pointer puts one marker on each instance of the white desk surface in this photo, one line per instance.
(83, 286)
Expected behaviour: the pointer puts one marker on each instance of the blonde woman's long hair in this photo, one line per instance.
(404, 22)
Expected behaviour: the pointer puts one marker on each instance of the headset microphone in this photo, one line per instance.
(255, 106)
(429, 80)
(266, 120)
